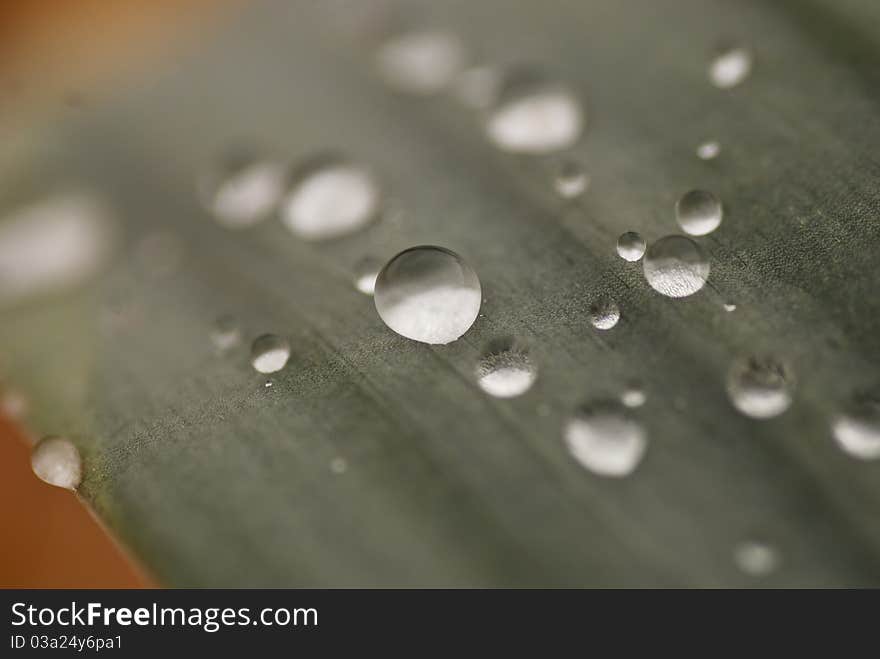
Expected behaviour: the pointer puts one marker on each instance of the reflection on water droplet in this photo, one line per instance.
(428, 294)
(729, 307)
(605, 440)
(676, 266)
(760, 386)
(269, 353)
(242, 190)
(477, 88)
(56, 461)
(604, 314)
(857, 429)
(757, 559)
(423, 63)
(506, 373)
(631, 246)
(226, 334)
(708, 150)
(698, 212)
(633, 397)
(571, 179)
(730, 68)
(534, 115)
(365, 273)
(329, 198)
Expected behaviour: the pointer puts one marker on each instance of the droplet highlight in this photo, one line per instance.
(57, 461)
(365, 273)
(571, 180)
(676, 266)
(708, 150)
(760, 386)
(604, 314)
(698, 212)
(226, 333)
(730, 68)
(605, 440)
(631, 246)
(421, 63)
(269, 353)
(242, 190)
(857, 429)
(755, 558)
(506, 373)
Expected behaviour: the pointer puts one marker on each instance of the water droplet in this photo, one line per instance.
(728, 306)
(506, 373)
(760, 386)
(605, 440)
(730, 68)
(478, 87)
(269, 353)
(242, 190)
(338, 466)
(633, 397)
(757, 559)
(226, 334)
(268, 384)
(708, 150)
(571, 179)
(423, 62)
(534, 115)
(365, 273)
(857, 429)
(676, 266)
(13, 404)
(56, 461)
(604, 314)
(698, 212)
(330, 197)
(428, 294)
(631, 246)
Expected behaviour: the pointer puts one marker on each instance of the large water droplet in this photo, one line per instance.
(506, 373)
(424, 62)
(755, 558)
(56, 461)
(708, 150)
(676, 266)
(225, 334)
(242, 190)
(730, 68)
(857, 429)
(330, 197)
(604, 314)
(534, 115)
(571, 179)
(631, 246)
(698, 212)
(760, 386)
(269, 353)
(605, 440)
(428, 294)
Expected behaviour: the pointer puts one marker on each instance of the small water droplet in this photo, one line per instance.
(268, 384)
(478, 87)
(676, 266)
(708, 150)
(330, 197)
(605, 440)
(506, 373)
(698, 212)
(365, 273)
(857, 429)
(633, 397)
(428, 294)
(755, 558)
(604, 314)
(56, 461)
(338, 466)
(242, 189)
(269, 353)
(760, 386)
(226, 333)
(571, 179)
(631, 246)
(730, 68)
(728, 306)
(423, 62)
(534, 115)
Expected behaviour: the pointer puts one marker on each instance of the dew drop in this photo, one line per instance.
(857, 429)
(605, 440)
(428, 294)
(631, 246)
(756, 559)
(225, 334)
(330, 197)
(242, 190)
(535, 116)
(760, 386)
(604, 314)
(633, 397)
(269, 353)
(730, 68)
(676, 266)
(56, 461)
(708, 150)
(365, 273)
(478, 87)
(506, 373)
(698, 212)
(421, 63)
(571, 179)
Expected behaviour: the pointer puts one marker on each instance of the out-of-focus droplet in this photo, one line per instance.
(269, 353)
(631, 246)
(698, 212)
(857, 429)
(729, 306)
(730, 68)
(708, 150)
(338, 466)
(428, 294)
(242, 189)
(478, 87)
(760, 386)
(633, 397)
(423, 62)
(365, 273)
(755, 558)
(506, 373)
(13, 404)
(605, 440)
(571, 179)
(604, 314)
(226, 333)
(676, 266)
(330, 197)
(56, 461)
(534, 115)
